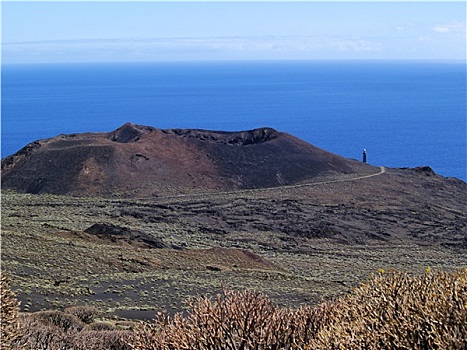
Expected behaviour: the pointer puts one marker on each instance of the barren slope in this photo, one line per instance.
(141, 161)
(335, 223)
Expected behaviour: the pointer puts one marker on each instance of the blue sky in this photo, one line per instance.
(51, 32)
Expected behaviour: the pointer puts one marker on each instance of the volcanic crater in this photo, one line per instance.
(143, 161)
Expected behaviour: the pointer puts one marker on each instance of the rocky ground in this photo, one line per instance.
(299, 244)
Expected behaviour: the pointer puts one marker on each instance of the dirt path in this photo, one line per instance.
(381, 171)
(256, 190)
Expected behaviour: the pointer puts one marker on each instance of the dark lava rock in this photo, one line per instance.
(425, 170)
(129, 133)
(115, 233)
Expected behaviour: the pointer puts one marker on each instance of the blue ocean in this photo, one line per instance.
(405, 114)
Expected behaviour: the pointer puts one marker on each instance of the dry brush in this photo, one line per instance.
(392, 310)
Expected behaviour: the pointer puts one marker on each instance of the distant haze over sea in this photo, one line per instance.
(404, 113)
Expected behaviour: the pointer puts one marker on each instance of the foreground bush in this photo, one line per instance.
(9, 322)
(398, 311)
(69, 330)
(391, 311)
(235, 320)
(86, 314)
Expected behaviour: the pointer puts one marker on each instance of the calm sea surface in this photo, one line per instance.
(405, 114)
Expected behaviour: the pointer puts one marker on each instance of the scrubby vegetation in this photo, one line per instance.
(75, 328)
(391, 311)
(9, 314)
(234, 320)
(399, 311)
(56, 330)
(54, 264)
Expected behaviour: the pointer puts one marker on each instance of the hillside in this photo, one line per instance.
(117, 221)
(142, 161)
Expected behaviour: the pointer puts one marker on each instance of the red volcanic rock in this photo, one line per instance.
(142, 161)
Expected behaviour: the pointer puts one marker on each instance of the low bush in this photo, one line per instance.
(100, 340)
(399, 311)
(86, 314)
(234, 320)
(37, 334)
(57, 330)
(391, 311)
(9, 320)
(101, 326)
(58, 319)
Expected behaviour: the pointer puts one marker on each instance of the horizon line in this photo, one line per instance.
(244, 60)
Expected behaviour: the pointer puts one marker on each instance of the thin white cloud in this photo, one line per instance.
(250, 43)
(186, 48)
(449, 28)
(441, 29)
(425, 39)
